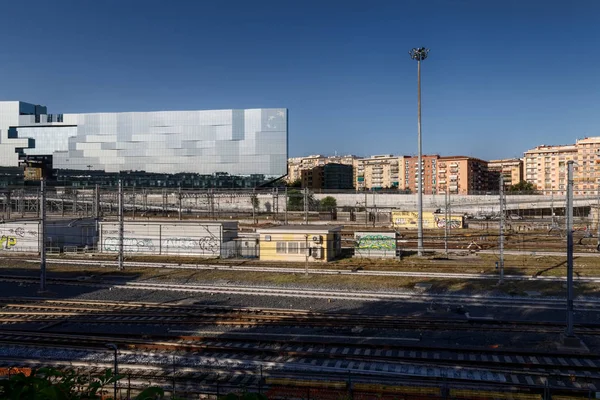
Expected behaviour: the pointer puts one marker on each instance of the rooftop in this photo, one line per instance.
(301, 229)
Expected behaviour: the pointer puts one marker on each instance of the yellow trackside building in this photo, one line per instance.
(315, 243)
(408, 220)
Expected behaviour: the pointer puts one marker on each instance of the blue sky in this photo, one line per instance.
(502, 76)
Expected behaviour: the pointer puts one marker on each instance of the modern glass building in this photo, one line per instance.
(234, 142)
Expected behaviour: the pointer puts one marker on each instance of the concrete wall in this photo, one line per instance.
(24, 235)
(203, 239)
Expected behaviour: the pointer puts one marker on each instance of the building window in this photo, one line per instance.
(280, 247)
(293, 248)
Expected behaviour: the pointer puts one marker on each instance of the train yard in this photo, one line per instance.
(437, 326)
(176, 344)
(198, 339)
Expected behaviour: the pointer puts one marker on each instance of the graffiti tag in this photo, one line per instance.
(205, 244)
(130, 245)
(376, 242)
(452, 223)
(7, 242)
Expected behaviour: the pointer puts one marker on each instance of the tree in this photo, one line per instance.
(522, 186)
(328, 203)
(296, 200)
(255, 201)
(50, 383)
(295, 184)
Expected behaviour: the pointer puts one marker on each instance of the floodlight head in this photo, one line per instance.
(111, 346)
(419, 53)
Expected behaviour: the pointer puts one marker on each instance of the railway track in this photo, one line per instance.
(331, 360)
(442, 299)
(318, 271)
(92, 312)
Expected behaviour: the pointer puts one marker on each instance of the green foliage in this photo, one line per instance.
(522, 186)
(328, 203)
(244, 396)
(255, 201)
(295, 184)
(296, 201)
(53, 384)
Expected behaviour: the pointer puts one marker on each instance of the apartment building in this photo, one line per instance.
(328, 176)
(510, 168)
(297, 164)
(457, 174)
(463, 175)
(410, 174)
(377, 172)
(546, 167)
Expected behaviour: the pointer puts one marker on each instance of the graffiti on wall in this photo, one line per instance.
(452, 223)
(7, 242)
(204, 244)
(375, 242)
(130, 245)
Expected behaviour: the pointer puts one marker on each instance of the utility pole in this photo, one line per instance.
(366, 211)
(253, 201)
(446, 224)
(305, 206)
(121, 228)
(501, 238)
(179, 197)
(306, 251)
(419, 54)
(96, 203)
(598, 215)
(286, 206)
(42, 240)
(569, 206)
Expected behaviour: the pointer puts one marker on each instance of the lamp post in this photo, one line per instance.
(113, 346)
(419, 54)
(569, 212)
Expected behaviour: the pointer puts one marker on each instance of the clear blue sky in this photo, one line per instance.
(503, 76)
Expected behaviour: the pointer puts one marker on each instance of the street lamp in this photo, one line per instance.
(113, 346)
(419, 54)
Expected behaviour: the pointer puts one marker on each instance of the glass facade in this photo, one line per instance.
(235, 142)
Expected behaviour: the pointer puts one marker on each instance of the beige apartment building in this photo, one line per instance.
(297, 164)
(546, 167)
(377, 172)
(510, 168)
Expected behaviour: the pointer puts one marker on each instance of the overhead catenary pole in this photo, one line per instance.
(121, 228)
(306, 251)
(42, 235)
(286, 206)
(305, 206)
(501, 233)
(598, 216)
(446, 222)
(179, 198)
(569, 210)
(419, 54)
